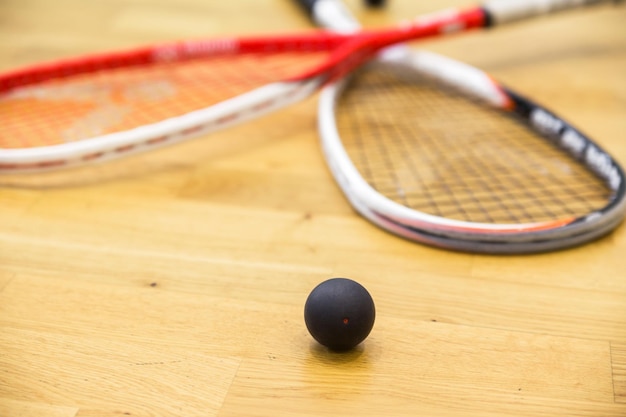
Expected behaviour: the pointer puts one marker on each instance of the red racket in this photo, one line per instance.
(105, 106)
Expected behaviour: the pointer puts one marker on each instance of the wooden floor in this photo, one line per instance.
(173, 283)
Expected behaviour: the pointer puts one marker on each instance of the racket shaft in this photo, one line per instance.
(333, 14)
(504, 11)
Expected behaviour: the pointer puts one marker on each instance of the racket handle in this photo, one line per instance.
(503, 11)
(307, 5)
(330, 14)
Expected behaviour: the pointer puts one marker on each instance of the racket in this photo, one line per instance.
(104, 106)
(438, 152)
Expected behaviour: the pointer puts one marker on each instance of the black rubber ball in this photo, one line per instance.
(339, 313)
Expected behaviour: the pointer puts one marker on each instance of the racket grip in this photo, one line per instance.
(307, 5)
(330, 14)
(503, 11)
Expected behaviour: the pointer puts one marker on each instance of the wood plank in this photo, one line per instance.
(618, 359)
(107, 376)
(410, 368)
(14, 408)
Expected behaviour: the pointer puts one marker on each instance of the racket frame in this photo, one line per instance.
(457, 234)
(463, 235)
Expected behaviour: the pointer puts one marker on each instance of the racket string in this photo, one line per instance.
(83, 106)
(437, 152)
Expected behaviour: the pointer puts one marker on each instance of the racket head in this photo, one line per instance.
(103, 106)
(447, 156)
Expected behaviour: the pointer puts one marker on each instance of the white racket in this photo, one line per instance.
(100, 107)
(436, 151)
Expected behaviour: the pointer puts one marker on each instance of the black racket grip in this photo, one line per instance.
(307, 5)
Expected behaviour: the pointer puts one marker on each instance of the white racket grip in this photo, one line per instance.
(334, 15)
(503, 11)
